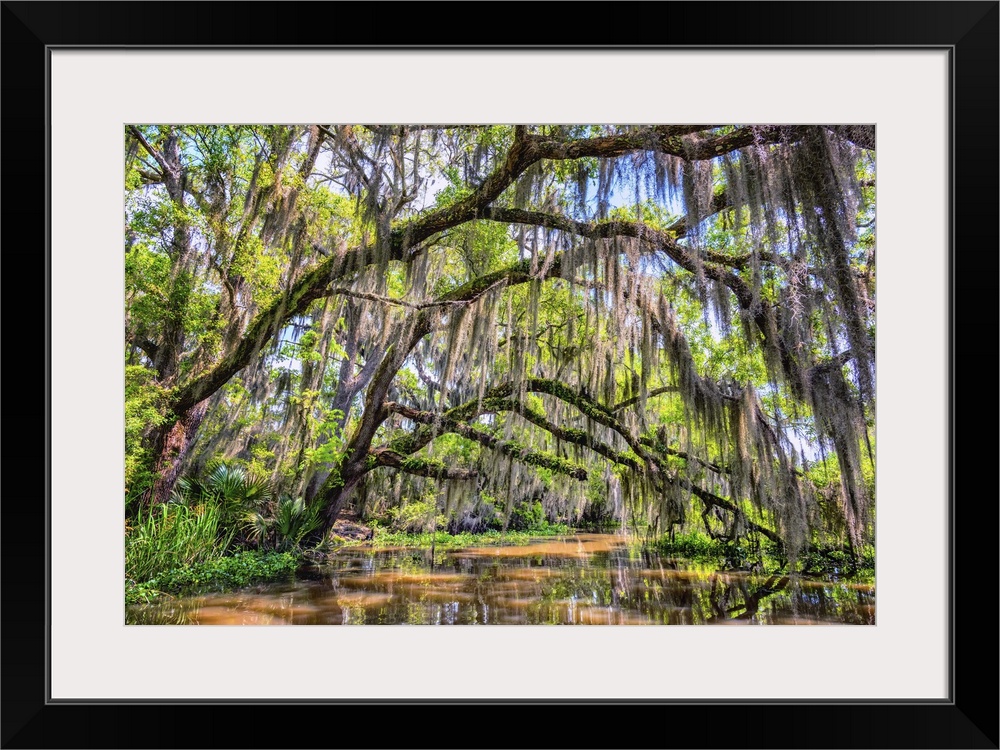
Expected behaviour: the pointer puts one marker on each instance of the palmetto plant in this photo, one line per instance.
(291, 521)
(236, 493)
(235, 488)
(247, 508)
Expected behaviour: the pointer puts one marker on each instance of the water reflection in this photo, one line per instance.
(585, 579)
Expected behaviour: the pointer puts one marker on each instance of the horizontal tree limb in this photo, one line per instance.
(420, 467)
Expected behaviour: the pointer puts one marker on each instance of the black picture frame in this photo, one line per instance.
(968, 719)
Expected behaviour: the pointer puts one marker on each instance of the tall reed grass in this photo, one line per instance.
(170, 536)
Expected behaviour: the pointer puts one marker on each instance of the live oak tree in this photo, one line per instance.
(677, 319)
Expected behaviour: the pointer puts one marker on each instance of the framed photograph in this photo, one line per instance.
(922, 78)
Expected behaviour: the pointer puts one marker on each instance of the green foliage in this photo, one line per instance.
(648, 212)
(329, 215)
(140, 593)
(444, 540)
(480, 247)
(170, 536)
(530, 517)
(232, 484)
(694, 546)
(145, 403)
(147, 275)
(613, 316)
(233, 489)
(248, 509)
(838, 563)
(330, 449)
(825, 474)
(527, 516)
(744, 553)
(294, 519)
(454, 191)
(597, 513)
(416, 517)
(455, 449)
(289, 523)
(242, 569)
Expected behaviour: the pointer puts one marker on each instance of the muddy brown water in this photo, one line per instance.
(583, 579)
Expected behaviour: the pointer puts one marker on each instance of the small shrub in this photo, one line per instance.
(527, 516)
(416, 518)
(693, 546)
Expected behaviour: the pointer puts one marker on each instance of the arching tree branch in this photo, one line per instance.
(508, 447)
(419, 466)
(443, 424)
(404, 239)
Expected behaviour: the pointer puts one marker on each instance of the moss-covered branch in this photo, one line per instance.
(420, 466)
(442, 424)
(709, 498)
(511, 448)
(525, 151)
(565, 434)
(674, 140)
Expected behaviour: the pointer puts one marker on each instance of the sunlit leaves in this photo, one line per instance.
(688, 288)
(145, 407)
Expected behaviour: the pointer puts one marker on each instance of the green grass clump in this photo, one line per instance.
(171, 536)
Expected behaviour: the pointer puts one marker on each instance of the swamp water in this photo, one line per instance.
(583, 579)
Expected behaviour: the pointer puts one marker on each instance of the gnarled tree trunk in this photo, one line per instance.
(173, 442)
